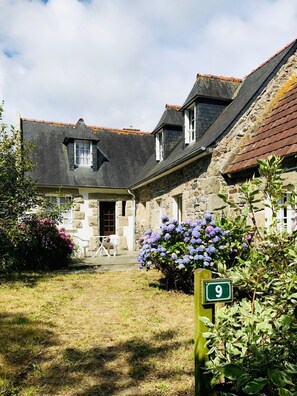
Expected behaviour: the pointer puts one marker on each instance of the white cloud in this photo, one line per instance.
(117, 62)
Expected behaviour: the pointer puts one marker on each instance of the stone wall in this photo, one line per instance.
(200, 182)
(85, 215)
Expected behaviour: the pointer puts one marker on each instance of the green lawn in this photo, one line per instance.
(95, 334)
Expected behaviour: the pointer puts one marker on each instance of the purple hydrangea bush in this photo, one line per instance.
(182, 247)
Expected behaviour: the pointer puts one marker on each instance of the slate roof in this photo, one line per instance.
(214, 87)
(277, 135)
(124, 153)
(171, 116)
(246, 93)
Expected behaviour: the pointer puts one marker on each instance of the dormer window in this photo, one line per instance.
(159, 146)
(83, 153)
(190, 125)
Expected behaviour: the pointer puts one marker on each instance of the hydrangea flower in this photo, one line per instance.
(193, 244)
(164, 218)
(170, 227)
(208, 216)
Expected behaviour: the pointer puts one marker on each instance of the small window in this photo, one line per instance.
(178, 207)
(157, 213)
(82, 153)
(159, 146)
(123, 208)
(286, 218)
(190, 125)
(66, 220)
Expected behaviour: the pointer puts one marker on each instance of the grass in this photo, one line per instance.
(95, 334)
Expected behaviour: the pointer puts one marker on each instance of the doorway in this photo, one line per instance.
(107, 218)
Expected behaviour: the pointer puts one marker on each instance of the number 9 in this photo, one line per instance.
(219, 291)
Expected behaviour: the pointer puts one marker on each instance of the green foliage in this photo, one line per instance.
(27, 242)
(41, 245)
(253, 344)
(182, 247)
(17, 192)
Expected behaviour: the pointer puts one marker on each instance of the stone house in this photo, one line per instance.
(122, 181)
(213, 141)
(94, 166)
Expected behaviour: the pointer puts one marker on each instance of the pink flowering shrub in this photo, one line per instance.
(40, 245)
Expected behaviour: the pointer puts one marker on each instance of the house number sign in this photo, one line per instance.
(217, 290)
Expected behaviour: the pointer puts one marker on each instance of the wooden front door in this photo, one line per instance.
(107, 218)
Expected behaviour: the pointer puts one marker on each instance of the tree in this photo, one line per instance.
(17, 191)
(29, 239)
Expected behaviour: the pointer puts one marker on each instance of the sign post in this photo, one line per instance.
(202, 381)
(207, 292)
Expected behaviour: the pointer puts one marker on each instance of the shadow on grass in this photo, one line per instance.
(118, 369)
(32, 278)
(28, 278)
(165, 284)
(22, 343)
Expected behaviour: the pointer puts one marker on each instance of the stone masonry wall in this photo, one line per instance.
(85, 213)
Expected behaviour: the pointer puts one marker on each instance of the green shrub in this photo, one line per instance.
(253, 343)
(180, 248)
(42, 246)
(36, 244)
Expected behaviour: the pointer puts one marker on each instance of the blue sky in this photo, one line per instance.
(117, 63)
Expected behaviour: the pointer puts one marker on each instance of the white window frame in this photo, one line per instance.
(286, 216)
(67, 216)
(86, 159)
(158, 212)
(190, 125)
(159, 146)
(177, 207)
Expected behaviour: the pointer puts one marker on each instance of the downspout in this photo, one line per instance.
(134, 218)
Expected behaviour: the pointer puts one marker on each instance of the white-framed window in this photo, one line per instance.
(190, 125)
(156, 218)
(159, 146)
(83, 153)
(177, 207)
(67, 214)
(286, 218)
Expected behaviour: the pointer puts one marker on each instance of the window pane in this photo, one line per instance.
(286, 215)
(83, 153)
(67, 214)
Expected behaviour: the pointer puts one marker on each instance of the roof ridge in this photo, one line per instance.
(233, 79)
(172, 106)
(124, 130)
(271, 57)
(47, 122)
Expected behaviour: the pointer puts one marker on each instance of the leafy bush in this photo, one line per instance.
(41, 245)
(35, 243)
(181, 248)
(253, 343)
(17, 191)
